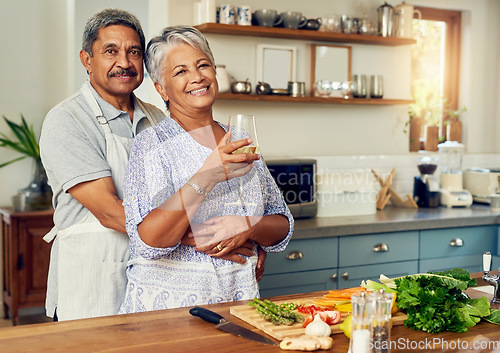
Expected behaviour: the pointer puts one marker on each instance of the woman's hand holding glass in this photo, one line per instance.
(222, 164)
(220, 235)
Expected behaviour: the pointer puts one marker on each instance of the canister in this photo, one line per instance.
(297, 89)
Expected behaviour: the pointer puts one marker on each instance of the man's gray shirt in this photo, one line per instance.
(73, 148)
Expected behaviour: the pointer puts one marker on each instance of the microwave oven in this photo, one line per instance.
(296, 179)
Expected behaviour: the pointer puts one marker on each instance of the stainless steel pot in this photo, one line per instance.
(263, 88)
(244, 87)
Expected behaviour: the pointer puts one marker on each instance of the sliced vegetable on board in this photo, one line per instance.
(277, 314)
(340, 299)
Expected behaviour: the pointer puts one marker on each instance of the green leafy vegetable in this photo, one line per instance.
(436, 302)
(375, 286)
(494, 317)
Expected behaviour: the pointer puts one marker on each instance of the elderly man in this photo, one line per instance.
(84, 147)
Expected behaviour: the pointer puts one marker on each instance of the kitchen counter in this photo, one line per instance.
(175, 330)
(394, 219)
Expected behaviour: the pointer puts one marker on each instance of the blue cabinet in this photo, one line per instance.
(298, 282)
(364, 257)
(319, 264)
(378, 248)
(445, 249)
(471, 263)
(352, 276)
(307, 265)
(304, 255)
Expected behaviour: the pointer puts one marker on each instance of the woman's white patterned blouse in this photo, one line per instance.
(162, 160)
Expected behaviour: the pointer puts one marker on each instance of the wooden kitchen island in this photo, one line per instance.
(175, 330)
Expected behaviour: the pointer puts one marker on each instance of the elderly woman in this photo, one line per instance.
(185, 186)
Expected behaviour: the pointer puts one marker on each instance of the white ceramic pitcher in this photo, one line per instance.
(405, 12)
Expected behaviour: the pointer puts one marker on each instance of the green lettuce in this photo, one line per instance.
(435, 301)
(494, 317)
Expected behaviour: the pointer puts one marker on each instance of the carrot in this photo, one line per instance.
(348, 290)
(330, 303)
(344, 293)
(324, 302)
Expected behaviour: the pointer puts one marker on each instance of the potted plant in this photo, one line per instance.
(413, 126)
(426, 117)
(453, 123)
(38, 193)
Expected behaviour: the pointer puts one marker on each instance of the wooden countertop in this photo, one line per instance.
(175, 330)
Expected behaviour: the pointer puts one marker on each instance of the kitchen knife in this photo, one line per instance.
(228, 326)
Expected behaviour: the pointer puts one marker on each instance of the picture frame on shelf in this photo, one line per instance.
(276, 65)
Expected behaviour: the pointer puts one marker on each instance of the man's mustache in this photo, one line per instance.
(123, 72)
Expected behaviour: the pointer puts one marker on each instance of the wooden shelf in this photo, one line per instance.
(310, 99)
(302, 34)
(299, 34)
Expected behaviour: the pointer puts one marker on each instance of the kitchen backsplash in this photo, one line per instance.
(405, 165)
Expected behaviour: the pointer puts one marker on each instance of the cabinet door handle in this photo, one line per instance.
(456, 242)
(345, 275)
(380, 248)
(333, 277)
(294, 255)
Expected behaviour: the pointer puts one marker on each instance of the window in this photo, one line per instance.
(435, 69)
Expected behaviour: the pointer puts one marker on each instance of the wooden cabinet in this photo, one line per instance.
(25, 259)
(312, 36)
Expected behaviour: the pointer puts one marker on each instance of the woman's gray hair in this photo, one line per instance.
(109, 17)
(158, 48)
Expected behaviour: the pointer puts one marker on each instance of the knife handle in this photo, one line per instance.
(206, 314)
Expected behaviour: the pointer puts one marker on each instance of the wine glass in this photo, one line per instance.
(243, 126)
(345, 89)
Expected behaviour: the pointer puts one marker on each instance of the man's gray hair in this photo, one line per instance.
(109, 17)
(159, 47)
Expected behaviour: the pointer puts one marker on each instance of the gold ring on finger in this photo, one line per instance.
(219, 247)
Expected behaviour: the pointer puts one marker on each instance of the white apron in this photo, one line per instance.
(92, 259)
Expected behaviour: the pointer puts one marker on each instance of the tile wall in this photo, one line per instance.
(405, 166)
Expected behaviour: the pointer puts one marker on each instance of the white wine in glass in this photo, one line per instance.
(243, 126)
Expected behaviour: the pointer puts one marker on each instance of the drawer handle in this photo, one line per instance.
(345, 275)
(380, 248)
(294, 255)
(333, 277)
(456, 242)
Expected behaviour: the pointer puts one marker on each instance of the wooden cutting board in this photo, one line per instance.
(248, 314)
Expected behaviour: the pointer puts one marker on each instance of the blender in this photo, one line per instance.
(452, 192)
(426, 186)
